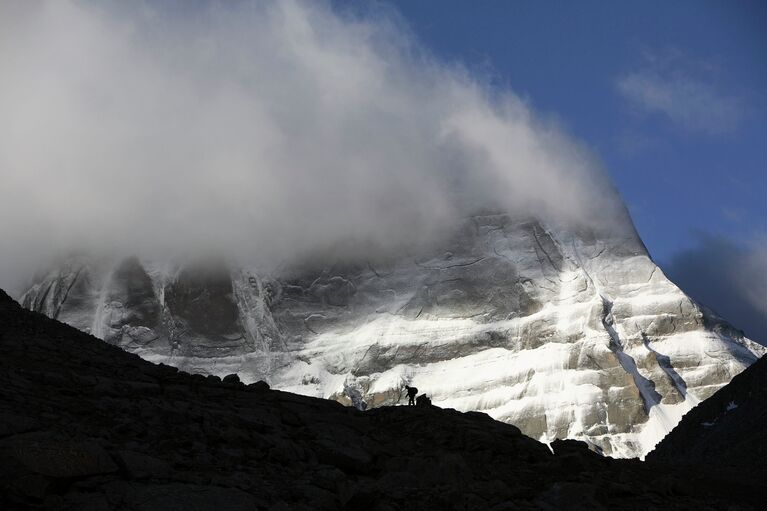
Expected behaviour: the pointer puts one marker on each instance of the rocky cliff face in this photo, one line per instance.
(564, 333)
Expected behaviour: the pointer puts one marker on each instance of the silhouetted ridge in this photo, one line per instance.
(728, 428)
(7, 300)
(86, 425)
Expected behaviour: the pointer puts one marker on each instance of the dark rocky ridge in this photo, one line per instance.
(729, 428)
(86, 425)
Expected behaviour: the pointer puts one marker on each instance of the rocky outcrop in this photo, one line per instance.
(567, 333)
(86, 425)
(728, 429)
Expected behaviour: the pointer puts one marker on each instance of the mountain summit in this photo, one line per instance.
(564, 332)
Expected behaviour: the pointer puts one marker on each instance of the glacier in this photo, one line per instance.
(564, 332)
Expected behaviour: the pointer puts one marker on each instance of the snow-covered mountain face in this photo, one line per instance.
(564, 333)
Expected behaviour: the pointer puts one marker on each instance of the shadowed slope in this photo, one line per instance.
(87, 425)
(728, 428)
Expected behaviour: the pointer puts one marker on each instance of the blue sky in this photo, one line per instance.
(671, 96)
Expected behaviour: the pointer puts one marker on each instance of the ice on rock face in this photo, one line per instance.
(564, 334)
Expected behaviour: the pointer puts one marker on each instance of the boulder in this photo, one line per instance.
(231, 378)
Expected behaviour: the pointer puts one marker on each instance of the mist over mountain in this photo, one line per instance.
(266, 131)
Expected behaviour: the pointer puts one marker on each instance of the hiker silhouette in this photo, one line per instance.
(411, 392)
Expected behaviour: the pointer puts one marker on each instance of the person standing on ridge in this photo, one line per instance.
(411, 392)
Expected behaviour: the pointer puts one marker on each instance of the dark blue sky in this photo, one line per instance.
(670, 95)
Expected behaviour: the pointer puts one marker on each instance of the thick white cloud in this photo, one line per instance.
(274, 129)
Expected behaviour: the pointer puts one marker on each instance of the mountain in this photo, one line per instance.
(564, 332)
(88, 426)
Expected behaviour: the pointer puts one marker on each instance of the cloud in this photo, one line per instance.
(691, 103)
(272, 130)
(729, 278)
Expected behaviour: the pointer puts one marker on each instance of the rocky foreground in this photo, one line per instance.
(86, 425)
